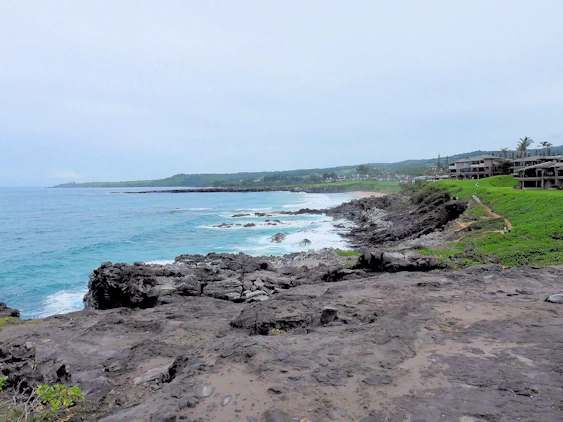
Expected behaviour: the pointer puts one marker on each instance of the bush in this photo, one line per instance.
(347, 253)
(59, 396)
(45, 403)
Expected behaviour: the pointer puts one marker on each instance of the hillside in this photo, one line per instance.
(292, 177)
(533, 216)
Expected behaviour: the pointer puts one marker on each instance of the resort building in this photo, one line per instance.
(474, 168)
(539, 172)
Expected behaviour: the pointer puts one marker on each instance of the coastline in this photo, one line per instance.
(146, 228)
(295, 337)
(365, 194)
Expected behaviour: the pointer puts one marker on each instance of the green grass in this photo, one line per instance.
(359, 185)
(10, 321)
(347, 253)
(537, 217)
(4, 321)
(476, 211)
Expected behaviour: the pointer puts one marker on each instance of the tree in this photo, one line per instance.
(504, 152)
(523, 145)
(314, 178)
(546, 145)
(504, 167)
(363, 169)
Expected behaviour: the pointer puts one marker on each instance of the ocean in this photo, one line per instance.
(52, 239)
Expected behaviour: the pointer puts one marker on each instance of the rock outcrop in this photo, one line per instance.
(5, 311)
(386, 221)
(386, 261)
(233, 277)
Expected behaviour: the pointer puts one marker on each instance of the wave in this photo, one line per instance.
(161, 262)
(319, 201)
(254, 209)
(243, 224)
(63, 302)
(324, 235)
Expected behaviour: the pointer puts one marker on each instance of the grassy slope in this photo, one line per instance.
(537, 217)
(359, 185)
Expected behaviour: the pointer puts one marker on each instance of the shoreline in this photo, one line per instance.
(366, 194)
(225, 336)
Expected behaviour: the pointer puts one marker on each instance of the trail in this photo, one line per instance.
(492, 214)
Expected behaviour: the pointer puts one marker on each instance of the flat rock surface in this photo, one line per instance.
(432, 346)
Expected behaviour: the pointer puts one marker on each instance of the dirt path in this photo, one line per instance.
(492, 214)
(461, 225)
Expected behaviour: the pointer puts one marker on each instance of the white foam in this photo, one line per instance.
(63, 302)
(161, 262)
(260, 225)
(190, 209)
(253, 209)
(319, 200)
(322, 235)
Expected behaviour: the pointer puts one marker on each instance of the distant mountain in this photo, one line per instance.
(293, 176)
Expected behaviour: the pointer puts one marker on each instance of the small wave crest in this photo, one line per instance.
(63, 302)
(259, 225)
(322, 235)
(161, 262)
(318, 200)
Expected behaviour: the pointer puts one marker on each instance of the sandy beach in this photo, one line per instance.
(363, 194)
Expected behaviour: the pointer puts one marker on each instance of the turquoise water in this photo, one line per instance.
(52, 239)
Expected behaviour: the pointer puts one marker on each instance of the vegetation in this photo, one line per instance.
(546, 145)
(523, 144)
(302, 176)
(537, 233)
(59, 396)
(4, 321)
(9, 321)
(45, 403)
(356, 185)
(347, 253)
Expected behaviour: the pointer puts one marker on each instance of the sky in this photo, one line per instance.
(129, 90)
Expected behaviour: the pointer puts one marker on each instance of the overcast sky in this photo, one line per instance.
(126, 90)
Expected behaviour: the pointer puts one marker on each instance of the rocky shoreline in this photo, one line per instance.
(389, 335)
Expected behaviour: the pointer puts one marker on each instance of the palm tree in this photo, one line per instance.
(523, 145)
(504, 152)
(546, 145)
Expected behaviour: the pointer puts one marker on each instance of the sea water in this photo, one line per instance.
(52, 239)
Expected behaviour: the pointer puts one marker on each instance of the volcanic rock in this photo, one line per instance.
(5, 311)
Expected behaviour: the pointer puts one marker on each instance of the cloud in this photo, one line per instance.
(66, 174)
(195, 87)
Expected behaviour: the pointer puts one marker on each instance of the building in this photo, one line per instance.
(474, 167)
(539, 172)
(520, 163)
(429, 178)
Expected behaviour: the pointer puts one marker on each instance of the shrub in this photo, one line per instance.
(45, 403)
(59, 396)
(347, 253)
